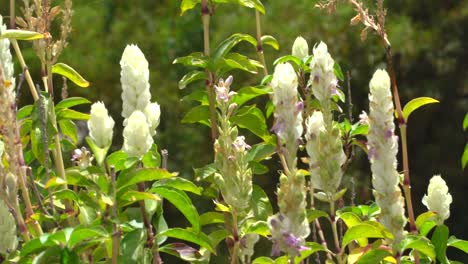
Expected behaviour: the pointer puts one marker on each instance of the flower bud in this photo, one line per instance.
(137, 137)
(153, 113)
(322, 74)
(438, 199)
(8, 239)
(100, 125)
(300, 48)
(134, 78)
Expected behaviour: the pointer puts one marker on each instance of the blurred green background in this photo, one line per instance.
(430, 53)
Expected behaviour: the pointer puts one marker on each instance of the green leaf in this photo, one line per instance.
(187, 5)
(359, 129)
(260, 204)
(209, 218)
(82, 234)
(419, 243)
(236, 61)
(288, 58)
(117, 159)
(66, 113)
(338, 72)
(131, 197)
(312, 248)
(190, 235)
(261, 151)
(152, 158)
(191, 77)
(314, 214)
(142, 175)
(251, 4)
(198, 95)
(458, 243)
(183, 252)
(217, 236)
(204, 172)
(373, 256)
(226, 46)
(263, 260)
(360, 231)
(24, 112)
(424, 217)
(271, 41)
(70, 73)
(181, 201)
(246, 94)
(196, 59)
(19, 34)
(69, 129)
(415, 104)
(132, 247)
(198, 114)
(99, 153)
(465, 122)
(464, 159)
(260, 228)
(252, 119)
(179, 184)
(71, 101)
(257, 167)
(439, 240)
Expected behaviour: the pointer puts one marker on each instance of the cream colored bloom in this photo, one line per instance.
(100, 125)
(137, 137)
(326, 155)
(134, 78)
(288, 111)
(300, 48)
(438, 199)
(153, 113)
(8, 239)
(383, 148)
(322, 74)
(6, 62)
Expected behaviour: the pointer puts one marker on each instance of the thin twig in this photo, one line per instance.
(260, 54)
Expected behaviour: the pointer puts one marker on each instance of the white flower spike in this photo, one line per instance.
(438, 199)
(100, 125)
(137, 137)
(300, 48)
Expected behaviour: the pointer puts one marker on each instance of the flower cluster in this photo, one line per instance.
(300, 48)
(438, 199)
(288, 110)
(326, 155)
(383, 148)
(322, 76)
(235, 177)
(141, 116)
(287, 236)
(8, 239)
(100, 125)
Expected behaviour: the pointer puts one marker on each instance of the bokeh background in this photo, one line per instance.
(430, 51)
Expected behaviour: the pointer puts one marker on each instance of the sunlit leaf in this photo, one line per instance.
(271, 41)
(19, 34)
(312, 247)
(260, 204)
(419, 243)
(360, 231)
(458, 243)
(415, 104)
(181, 201)
(225, 47)
(142, 175)
(246, 94)
(338, 72)
(191, 77)
(66, 113)
(70, 73)
(198, 114)
(374, 256)
(180, 184)
(439, 240)
(251, 118)
(211, 218)
(190, 235)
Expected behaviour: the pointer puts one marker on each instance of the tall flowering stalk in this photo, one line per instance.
(383, 148)
(289, 227)
(234, 177)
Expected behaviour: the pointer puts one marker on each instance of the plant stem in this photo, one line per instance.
(115, 229)
(205, 12)
(146, 220)
(261, 56)
(317, 223)
(335, 231)
(27, 75)
(235, 235)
